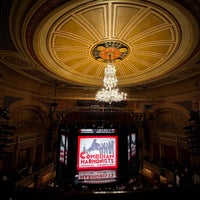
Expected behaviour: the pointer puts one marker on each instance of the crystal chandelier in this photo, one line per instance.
(110, 93)
(110, 52)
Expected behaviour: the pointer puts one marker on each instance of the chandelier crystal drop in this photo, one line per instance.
(110, 93)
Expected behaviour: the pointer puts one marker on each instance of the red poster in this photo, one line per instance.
(97, 152)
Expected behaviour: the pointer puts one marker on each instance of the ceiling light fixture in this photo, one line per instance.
(110, 92)
(110, 52)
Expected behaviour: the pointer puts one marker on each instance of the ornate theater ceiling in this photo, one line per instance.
(151, 42)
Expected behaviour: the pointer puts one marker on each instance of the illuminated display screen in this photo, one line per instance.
(97, 152)
(101, 176)
(131, 146)
(63, 149)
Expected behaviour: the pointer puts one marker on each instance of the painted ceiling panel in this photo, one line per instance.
(75, 29)
(124, 15)
(97, 19)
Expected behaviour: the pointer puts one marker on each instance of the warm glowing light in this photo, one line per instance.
(110, 93)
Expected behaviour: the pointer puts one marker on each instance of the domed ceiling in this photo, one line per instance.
(150, 42)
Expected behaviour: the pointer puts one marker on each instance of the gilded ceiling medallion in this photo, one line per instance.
(110, 50)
